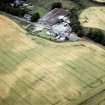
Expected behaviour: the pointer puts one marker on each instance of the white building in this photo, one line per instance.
(61, 28)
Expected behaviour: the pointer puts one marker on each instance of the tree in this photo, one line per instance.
(56, 5)
(18, 11)
(7, 1)
(35, 17)
(75, 23)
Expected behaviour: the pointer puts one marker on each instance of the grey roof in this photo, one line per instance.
(51, 18)
(61, 28)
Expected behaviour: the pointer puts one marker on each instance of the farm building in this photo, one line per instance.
(54, 16)
(58, 22)
(62, 30)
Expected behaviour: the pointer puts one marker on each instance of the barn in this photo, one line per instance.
(54, 16)
(58, 23)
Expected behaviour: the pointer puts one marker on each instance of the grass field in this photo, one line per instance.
(93, 17)
(34, 71)
(100, 1)
(44, 6)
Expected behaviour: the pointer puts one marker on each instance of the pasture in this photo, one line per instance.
(35, 71)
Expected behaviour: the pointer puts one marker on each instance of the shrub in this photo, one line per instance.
(56, 5)
(96, 35)
(35, 17)
(15, 11)
(75, 23)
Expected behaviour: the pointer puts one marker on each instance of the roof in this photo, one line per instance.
(61, 28)
(51, 18)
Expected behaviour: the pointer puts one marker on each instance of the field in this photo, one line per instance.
(44, 6)
(34, 71)
(100, 1)
(93, 18)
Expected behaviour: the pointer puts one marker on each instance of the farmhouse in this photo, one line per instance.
(62, 30)
(58, 24)
(54, 16)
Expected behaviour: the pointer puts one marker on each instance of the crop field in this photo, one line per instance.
(93, 18)
(34, 71)
(100, 1)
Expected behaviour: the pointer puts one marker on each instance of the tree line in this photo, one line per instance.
(5, 5)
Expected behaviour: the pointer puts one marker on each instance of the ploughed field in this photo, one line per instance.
(34, 71)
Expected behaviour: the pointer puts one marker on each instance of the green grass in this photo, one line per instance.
(44, 6)
(41, 72)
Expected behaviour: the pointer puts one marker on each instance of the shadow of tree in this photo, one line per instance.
(98, 3)
(97, 35)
